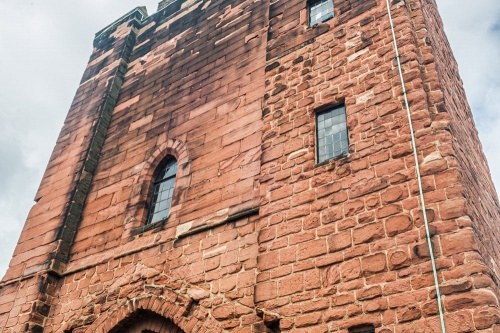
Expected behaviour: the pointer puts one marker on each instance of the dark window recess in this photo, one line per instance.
(163, 191)
(362, 329)
(320, 11)
(331, 133)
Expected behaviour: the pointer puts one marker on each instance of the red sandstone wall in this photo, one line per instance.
(192, 89)
(206, 112)
(342, 243)
(333, 246)
(202, 283)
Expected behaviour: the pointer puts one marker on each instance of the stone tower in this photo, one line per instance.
(248, 166)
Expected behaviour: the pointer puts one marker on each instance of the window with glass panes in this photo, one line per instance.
(331, 133)
(320, 11)
(163, 192)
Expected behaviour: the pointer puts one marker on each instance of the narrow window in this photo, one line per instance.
(163, 191)
(331, 133)
(320, 11)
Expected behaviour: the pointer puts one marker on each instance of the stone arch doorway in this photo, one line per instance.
(144, 321)
(170, 305)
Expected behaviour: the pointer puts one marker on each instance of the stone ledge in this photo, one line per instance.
(147, 227)
(331, 160)
(186, 229)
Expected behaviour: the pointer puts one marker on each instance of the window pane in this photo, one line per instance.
(331, 129)
(163, 191)
(320, 11)
(169, 170)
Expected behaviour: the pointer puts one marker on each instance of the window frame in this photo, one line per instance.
(153, 202)
(317, 114)
(311, 3)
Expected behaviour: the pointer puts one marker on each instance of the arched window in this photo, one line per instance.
(163, 191)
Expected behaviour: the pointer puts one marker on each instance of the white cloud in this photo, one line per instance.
(474, 34)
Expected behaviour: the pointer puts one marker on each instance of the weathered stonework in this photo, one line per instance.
(260, 237)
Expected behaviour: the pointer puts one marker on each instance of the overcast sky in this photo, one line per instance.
(45, 46)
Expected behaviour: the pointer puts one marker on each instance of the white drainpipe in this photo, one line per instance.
(417, 168)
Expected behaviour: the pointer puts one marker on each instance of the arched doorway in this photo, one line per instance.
(144, 321)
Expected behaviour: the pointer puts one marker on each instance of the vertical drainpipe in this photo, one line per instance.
(417, 169)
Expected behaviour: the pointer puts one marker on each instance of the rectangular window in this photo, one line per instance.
(331, 133)
(320, 11)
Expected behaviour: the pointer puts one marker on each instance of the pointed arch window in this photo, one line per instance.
(163, 191)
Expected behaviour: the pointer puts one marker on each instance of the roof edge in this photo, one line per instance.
(141, 11)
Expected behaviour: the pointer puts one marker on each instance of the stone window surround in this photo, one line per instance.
(164, 182)
(137, 208)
